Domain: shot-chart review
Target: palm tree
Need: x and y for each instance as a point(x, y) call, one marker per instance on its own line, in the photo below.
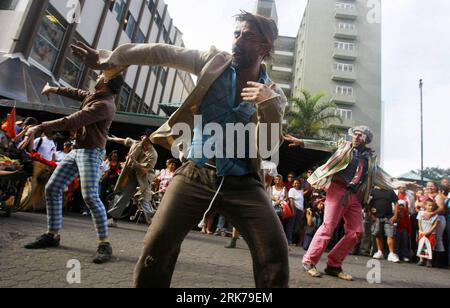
point(309, 118)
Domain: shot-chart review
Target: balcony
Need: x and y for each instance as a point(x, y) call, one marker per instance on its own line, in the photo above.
point(346, 13)
point(344, 76)
point(350, 34)
point(342, 99)
point(345, 54)
point(345, 123)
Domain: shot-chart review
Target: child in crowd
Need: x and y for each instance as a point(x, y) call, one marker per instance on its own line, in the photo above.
point(428, 223)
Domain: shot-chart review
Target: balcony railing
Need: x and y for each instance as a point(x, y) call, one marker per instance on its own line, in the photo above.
point(346, 13)
point(346, 33)
point(343, 76)
point(345, 54)
point(342, 99)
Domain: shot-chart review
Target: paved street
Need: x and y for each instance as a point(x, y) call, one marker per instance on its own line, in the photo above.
point(203, 262)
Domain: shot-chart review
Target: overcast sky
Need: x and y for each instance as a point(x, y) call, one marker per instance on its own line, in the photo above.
point(415, 45)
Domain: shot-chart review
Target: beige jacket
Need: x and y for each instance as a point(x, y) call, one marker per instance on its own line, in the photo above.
point(146, 160)
point(208, 66)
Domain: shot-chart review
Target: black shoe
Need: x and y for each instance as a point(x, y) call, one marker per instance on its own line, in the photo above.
point(429, 264)
point(104, 253)
point(232, 243)
point(44, 241)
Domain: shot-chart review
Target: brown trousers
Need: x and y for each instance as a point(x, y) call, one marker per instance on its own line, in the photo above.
point(242, 200)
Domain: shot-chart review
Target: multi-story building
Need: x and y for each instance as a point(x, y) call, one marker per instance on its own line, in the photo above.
point(339, 54)
point(280, 68)
point(35, 49)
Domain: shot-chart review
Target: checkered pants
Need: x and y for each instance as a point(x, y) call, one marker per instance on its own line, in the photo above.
point(86, 164)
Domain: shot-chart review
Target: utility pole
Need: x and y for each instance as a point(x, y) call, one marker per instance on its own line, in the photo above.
point(421, 129)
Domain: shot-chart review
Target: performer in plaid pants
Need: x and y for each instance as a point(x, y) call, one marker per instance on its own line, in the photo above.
point(92, 123)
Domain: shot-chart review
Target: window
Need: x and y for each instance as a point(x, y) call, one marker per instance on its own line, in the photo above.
point(72, 67)
point(155, 70)
point(91, 80)
point(348, 26)
point(8, 5)
point(342, 5)
point(158, 20)
point(49, 40)
point(129, 25)
point(135, 103)
point(140, 37)
point(145, 109)
point(151, 5)
point(165, 34)
point(345, 114)
point(343, 67)
point(124, 97)
point(163, 76)
point(344, 90)
point(119, 8)
point(344, 45)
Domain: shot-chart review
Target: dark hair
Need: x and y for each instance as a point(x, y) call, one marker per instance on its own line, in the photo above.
point(148, 132)
point(171, 161)
point(112, 153)
point(445, 190)
point(267, 27)
point(30, 121)
point(115, 84)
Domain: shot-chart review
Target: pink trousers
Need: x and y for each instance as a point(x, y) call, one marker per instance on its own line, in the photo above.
point(335, 210)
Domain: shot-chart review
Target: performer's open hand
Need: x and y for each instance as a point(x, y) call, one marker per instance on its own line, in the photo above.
point(257, 92)
point(293, 142)
point(86, 54)
point(47, 90)
point(31, 133)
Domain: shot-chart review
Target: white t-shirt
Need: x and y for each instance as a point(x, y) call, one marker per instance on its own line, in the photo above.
point(60, 156)
point(47, 148)
point(279, 194)
point(297, 196)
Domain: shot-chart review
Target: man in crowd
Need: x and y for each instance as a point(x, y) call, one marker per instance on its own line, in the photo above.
point(384, 221)
point(138, 171)
point(92, 123)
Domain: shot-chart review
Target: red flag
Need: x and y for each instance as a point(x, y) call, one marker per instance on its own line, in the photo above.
point(9, 125)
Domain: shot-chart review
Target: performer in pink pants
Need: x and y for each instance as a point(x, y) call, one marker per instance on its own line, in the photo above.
point(348, 177)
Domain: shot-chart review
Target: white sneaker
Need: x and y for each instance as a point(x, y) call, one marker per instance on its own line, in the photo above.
point(378, 255)
point(393, 258)
point(407, 260)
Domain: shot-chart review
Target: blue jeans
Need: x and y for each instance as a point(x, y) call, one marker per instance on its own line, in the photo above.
point(402, 244)
point(292, 223)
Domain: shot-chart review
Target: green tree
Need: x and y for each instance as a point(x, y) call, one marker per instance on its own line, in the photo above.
point(309, 118)
point(435, 173)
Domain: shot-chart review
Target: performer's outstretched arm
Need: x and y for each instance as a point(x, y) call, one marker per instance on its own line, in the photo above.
point(76, 94)
point(319, 145)
point(114, 62)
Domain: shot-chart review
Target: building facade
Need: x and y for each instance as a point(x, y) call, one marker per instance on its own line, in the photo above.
point(38, 35)
point(339, 53)
point(281, 67)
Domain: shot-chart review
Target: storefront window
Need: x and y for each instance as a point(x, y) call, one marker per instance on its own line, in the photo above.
point(123, 98)
point(72, 67)
point(8, 4)
point(48, 41)
point(91, 81)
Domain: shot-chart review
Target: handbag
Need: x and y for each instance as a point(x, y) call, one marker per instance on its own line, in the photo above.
point(287, 210)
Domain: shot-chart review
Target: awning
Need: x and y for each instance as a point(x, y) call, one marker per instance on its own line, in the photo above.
point(23, 83)
point(170, 108)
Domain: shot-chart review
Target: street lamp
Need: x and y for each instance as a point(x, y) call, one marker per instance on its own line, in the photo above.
point(421, 129)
